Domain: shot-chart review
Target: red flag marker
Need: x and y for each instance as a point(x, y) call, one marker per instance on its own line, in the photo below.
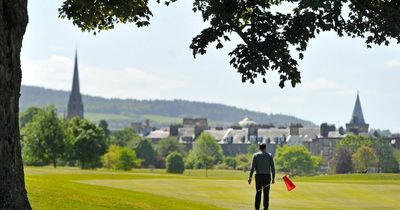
point(289, 184)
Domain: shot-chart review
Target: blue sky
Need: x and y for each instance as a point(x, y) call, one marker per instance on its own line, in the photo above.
point(156, 63)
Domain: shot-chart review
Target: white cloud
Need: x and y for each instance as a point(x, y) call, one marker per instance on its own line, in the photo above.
point(47, 72)
point(323, 84)
point(60, 59)
point(393, 64)
point(127, 83)
point(56, 72)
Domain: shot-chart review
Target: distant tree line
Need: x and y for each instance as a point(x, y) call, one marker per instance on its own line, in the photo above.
point(35, 96)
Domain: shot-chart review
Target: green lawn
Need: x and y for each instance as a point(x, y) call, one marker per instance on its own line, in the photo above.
point(71, 188)
point(96, 117)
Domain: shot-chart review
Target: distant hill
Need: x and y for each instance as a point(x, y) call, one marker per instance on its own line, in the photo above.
point(120, 113)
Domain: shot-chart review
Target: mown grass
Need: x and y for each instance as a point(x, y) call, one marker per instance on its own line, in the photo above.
point(71, 188)
point(96, 117)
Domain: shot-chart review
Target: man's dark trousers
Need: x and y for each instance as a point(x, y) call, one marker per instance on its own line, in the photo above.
point(262, 180)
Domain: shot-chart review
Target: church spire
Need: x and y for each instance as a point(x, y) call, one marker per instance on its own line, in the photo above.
point(357, 117)
point(357, 123)
point(75, 105)
point(75, 80)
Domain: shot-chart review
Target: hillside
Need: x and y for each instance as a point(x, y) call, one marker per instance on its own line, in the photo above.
point(121, 112)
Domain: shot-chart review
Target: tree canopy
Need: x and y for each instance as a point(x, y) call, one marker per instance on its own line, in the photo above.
point(364, 158)
point(125, 137)
point(104, 125)
point(270, 37)
point(386, 155)
point(43, 137)
point(206, 152)
point(296, 160)
point(88, 142)
point(120, 158)
point(387, 162)
point(169, 145)
point(145, 151)
point(353, 142)
point(26, 116)
point(342, 161)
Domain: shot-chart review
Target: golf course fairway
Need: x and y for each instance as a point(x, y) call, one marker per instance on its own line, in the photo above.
point(73, 188)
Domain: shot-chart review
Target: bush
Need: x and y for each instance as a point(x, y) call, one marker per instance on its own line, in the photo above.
point(230, 162)
point(243, 161)
point(175, 163)
point(120, 158)
point(126, 159)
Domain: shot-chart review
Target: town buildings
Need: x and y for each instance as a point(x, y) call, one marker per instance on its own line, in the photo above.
point(237, 138)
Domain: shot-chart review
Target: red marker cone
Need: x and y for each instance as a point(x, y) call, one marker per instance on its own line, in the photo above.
point(289, 184)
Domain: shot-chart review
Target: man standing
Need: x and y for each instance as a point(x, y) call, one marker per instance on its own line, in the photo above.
point(263, 164)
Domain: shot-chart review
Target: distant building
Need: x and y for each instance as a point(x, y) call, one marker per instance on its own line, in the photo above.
point(157, 135)
point(174, 129)
point(193, 122)
point(75, 105)
point(324, 146)
point(247, 122)
point(142, 128)
point(357, 123)
point(395, 141)
point(294, 137)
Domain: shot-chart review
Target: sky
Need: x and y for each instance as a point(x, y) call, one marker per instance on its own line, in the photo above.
point(155, 62)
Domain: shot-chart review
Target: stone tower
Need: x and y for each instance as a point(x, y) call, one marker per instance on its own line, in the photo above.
point(357, 123)
point(75, 105)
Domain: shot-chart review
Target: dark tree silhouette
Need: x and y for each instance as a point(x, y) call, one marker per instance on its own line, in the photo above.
point(13, 21)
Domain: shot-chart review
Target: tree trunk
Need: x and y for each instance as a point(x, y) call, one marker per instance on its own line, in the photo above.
point(13, 21)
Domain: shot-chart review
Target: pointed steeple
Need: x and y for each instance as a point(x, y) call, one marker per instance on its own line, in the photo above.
point(75, 105)
point(357, 123)
point(75, 80)
point(357, 117)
